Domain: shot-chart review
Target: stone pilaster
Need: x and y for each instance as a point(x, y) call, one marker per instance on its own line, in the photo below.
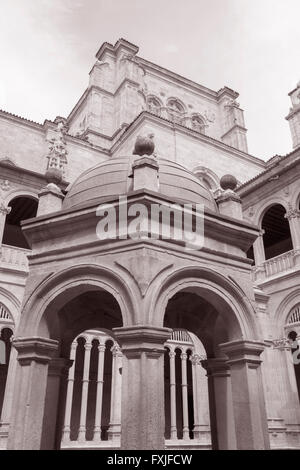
point(143, 413)
point(222, 415)
point(58, 367)
point(247, 394)
point(29, 399)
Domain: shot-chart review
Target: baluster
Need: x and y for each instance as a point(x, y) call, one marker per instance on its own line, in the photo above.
point(85, 386)
point(99, 393)
point(172, 355)
point(69, 399)
point(184, 396)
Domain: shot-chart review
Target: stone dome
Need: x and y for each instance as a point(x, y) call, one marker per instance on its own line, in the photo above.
point(113, 178)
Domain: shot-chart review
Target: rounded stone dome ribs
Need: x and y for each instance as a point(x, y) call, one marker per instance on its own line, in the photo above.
point(113, 178)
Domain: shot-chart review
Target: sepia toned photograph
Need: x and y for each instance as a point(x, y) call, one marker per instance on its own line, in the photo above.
point(149, 228)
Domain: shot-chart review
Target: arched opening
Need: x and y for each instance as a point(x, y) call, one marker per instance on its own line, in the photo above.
point(207, 177)
point(154, 105)
point(215, 314)
point(188, 311)
point(277, 236)
point(183, 375)
point(92, 409)
point(175, 111)
point(83, 326)
point(22, 208)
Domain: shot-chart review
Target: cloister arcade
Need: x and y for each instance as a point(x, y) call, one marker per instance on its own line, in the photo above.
point(77, 403)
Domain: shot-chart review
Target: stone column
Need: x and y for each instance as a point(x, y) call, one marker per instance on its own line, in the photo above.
point(259, 255)
point(4, 211)
point(58, 366)
point(143, 411)
point(184, 386)
point(99, 393)
point(247, 393)
point(85, 389)
point(218, 374)
point(28, 405)
point(172, 355)
point(114, 431)
point(293, 216)
point(69, 397)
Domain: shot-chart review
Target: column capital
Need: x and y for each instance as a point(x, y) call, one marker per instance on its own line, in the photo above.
point(4, 209)
point(143, 338)
point(292, 213)
point(88, 345)
point(216, 367)
point(101, 347)
point(245, 351)
point(197, 359)
point(35, 349)
point(59, 366)
point(183, 356)
point(116, 350)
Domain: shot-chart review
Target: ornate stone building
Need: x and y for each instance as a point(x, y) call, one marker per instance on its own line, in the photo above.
point(132, 339)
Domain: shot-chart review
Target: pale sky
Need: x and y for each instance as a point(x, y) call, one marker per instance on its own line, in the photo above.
point(47, 48)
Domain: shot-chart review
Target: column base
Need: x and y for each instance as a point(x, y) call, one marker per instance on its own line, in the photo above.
point(277, 433)
point(114, 432)
point(4, 429)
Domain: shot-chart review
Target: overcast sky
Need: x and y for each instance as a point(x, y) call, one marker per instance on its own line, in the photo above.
point(47, 48)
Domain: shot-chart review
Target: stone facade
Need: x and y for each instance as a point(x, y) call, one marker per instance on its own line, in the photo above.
point(140, 341)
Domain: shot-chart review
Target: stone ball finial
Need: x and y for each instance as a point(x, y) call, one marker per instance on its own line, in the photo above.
point(228, 182)
point(54, 175)
point(144, 145)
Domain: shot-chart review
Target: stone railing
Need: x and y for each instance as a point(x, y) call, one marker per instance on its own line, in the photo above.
point(273, 266)
point(14, 258)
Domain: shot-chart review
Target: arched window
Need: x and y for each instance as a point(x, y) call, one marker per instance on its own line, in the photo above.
point(198, 124)
point(277, 236)
point(175, 111)
point(22, 208)
point(207, 177)
point(154, 105)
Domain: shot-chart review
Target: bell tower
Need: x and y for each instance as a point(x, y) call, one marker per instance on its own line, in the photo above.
point(294, 116)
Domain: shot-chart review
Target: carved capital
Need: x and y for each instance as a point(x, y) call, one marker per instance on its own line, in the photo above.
point(292, 213)
point(4, 209)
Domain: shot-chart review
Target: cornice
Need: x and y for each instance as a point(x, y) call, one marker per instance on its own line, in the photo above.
point(279, 167)
point(236, 126)
point(113, 49)
point(185, 130)
point(196, 87)
point(21, 175)
point(21, 120)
